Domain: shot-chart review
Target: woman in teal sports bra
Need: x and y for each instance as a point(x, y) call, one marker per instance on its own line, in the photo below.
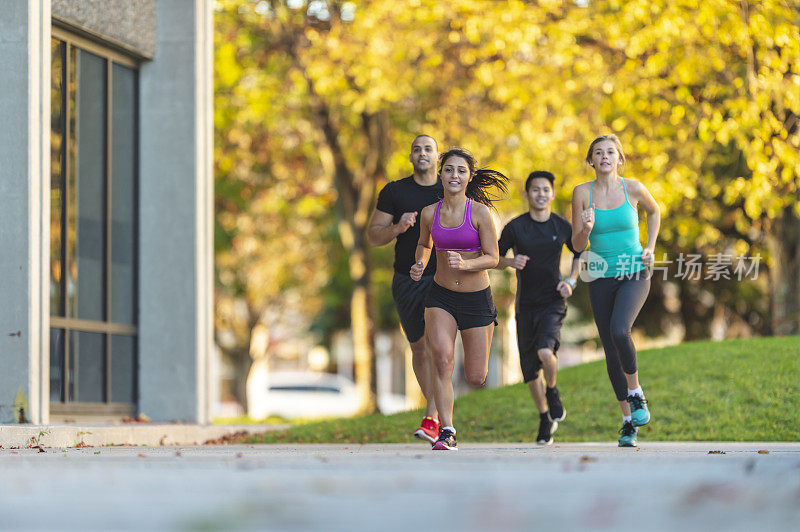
point(604, 215)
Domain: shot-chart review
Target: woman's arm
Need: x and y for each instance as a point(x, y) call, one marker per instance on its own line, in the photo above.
point(582, 218)
point(424, 245)
point(649, 204)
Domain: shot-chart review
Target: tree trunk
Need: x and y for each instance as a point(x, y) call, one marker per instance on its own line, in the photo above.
point(356, 190)
point(783, 242)
point(242, 363)
point(693, 313)
point(363, 328)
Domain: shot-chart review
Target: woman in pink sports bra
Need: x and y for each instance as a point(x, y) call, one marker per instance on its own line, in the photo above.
point(460, 226)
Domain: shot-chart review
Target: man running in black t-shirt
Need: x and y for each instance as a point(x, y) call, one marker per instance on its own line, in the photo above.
point(537, 238)
point(396, 218)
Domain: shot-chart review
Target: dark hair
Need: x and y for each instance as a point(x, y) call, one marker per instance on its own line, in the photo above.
point(483, 179)
point(539, 174)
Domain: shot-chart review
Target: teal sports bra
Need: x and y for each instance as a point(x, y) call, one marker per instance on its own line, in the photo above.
point(615, 237)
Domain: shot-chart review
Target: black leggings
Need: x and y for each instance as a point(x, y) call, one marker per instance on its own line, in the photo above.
point(615, 304)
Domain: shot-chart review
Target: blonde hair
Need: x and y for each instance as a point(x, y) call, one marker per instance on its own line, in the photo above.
point(613, 138)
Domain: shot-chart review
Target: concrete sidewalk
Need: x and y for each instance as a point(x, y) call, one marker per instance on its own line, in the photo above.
point(511, 486)
point(104, 434)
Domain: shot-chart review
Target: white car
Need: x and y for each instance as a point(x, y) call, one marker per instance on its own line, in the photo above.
point(300, 394)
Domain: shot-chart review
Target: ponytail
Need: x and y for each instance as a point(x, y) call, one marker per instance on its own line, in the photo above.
point(483, 179)
point(479, 189)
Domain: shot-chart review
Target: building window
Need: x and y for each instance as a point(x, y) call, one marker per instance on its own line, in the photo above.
point(93, 220)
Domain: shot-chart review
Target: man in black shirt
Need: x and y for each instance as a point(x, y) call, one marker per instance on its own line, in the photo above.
point(396, 218)
point(537, 238)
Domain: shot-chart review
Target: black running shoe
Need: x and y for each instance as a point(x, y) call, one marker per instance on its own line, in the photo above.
point(555, 410)
point(446, 441)
point(546, 430)
point(628, 435)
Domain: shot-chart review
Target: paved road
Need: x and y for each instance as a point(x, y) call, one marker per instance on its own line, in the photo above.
point(661, 486)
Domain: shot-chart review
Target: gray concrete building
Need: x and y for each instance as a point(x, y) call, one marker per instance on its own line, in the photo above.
point(106, 209)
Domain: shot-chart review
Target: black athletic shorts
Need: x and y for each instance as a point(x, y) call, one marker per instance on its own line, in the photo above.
point(409, 298)
point(538, 328)
point(470, 309)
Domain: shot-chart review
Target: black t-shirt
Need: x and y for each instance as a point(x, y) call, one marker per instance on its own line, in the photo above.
point(399, 197)
point(542, 242)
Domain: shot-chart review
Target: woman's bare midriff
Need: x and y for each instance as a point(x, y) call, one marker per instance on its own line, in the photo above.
point(459, 280)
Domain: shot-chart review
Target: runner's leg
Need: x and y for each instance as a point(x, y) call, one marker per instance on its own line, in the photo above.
point(629, 300)
point(477, 342)
point(601, 296)
point(441, 333)
point(549, 364)
point(421, 361)
point(536, 387)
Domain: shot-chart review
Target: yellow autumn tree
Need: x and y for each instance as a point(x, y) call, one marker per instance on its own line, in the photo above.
point(318, 100)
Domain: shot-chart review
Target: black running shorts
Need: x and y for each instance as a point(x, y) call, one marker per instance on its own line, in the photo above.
point(470, 309)
point(409, 298)
point(538, 328)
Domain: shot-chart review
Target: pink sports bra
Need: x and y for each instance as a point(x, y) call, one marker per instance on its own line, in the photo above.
point(462, 238)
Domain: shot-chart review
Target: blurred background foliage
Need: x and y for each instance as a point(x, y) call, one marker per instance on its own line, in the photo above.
point(316, 103)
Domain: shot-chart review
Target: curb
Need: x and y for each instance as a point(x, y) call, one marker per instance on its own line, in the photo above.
point(24, 436)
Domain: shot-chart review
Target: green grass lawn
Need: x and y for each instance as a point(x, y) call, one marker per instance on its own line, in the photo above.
point(736, 390)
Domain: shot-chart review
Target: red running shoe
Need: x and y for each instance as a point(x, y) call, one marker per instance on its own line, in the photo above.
point(428, 430)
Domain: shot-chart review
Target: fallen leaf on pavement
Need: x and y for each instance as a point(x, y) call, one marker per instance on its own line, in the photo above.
point(228, 438)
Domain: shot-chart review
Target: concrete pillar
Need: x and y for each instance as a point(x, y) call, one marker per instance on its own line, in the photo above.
point(24, 210)
point(176, 216)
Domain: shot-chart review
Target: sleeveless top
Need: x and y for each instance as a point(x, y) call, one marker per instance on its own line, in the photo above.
point(462, 238)
point(615, 237)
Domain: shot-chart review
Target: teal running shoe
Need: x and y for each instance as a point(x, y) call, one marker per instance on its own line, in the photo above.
point(629, 433)
point(640, 415)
